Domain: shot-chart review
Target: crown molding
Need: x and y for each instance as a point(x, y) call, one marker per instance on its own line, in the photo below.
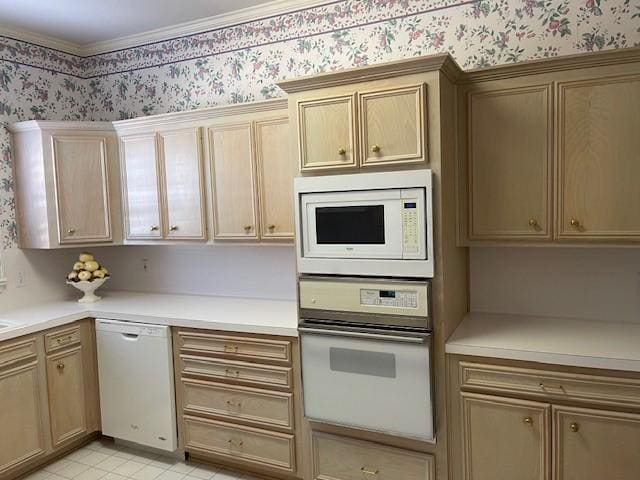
point(75, 125)
point(249, 14)
point(440, 62)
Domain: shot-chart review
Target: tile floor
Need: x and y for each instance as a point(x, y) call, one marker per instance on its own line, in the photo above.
point(105, 460)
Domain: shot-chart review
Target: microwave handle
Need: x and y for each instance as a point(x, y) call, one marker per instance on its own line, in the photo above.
point(365, 335)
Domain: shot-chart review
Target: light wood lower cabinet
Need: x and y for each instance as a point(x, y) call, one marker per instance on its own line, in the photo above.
point(505, 439)
point(48, 400)
point(340, 458)
point(596, 444)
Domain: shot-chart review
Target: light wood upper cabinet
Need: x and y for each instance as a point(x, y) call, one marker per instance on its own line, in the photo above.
point(327, 129)
point(82, 191)
point(141, 186)
point(235, 208)
point(392, 126)
point(23, 437)
point(275, 178)
point(596, 444)
point(67, 184)
point(505, 439)
point(510, 163)
point(67, 403)
point(184, 185)
point(599, 159)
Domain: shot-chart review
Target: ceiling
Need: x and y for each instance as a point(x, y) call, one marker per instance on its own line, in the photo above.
point(84, 22)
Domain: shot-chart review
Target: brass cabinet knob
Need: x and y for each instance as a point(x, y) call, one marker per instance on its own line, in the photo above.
point(341, 151)
point(575, 223)
point(271, 227)
point(173, 228)
point(533, 222)
point(574, 427)
point(528, 421)
point(154, 228)
point(247, 228)
point(60, 366)
point(369, 471)
point(71, 231)
point(375, 148)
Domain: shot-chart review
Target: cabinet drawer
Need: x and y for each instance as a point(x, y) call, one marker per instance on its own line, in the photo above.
point(548, 384)
point(240, 347)
point(339, 458)
point(270, 449)
point(237, 371)
point(271, 409)
point(62, 338)
point(15, 351)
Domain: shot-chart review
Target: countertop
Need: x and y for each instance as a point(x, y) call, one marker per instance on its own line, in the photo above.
point(245, 315)
point(560, 341)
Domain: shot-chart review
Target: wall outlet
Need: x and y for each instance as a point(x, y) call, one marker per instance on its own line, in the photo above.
point(145, 265)
point(20, 280)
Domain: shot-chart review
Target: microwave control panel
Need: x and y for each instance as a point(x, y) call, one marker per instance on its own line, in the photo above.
point(410, 229)
point(389, 298)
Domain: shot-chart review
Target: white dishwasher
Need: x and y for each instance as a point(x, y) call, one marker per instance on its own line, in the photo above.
point(137, 394)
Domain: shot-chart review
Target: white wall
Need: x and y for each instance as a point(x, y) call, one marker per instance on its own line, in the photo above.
point(242, 271)
point(592, 283)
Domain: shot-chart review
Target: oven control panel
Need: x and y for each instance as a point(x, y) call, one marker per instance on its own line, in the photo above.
point(389, 298)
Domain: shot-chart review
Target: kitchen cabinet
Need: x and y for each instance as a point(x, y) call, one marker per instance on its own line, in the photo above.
point(141, 186)
point(67, 184)
point(595, 444)
point(163, 185)
point(367, 128)
point(598, 159)
point(22, 404)
point(510, 163)
point(252, 179)
point(234, 181)
point(505, 438)
point(275, 172)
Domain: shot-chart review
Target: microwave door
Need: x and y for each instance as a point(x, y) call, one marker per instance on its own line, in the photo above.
point(352, 225)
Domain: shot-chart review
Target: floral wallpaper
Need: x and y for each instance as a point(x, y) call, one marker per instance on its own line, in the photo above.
point(243, 62)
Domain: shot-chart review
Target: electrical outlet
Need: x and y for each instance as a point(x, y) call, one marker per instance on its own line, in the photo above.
point(145, 265)
point(20, 280)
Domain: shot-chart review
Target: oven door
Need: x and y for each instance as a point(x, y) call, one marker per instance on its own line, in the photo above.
point(374, 382)
point(366, 224)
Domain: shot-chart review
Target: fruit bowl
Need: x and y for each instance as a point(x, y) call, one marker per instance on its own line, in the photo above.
point(89, 288)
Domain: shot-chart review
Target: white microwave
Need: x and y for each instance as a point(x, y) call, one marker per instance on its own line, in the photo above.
point(376, 224)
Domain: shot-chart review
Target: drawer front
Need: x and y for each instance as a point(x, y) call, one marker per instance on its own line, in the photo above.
point(339, 458)
point(62, 338)
point(269, 449)
point(271, 409)
point(16, 351)
point(240, 347)
point(219, 369)
point(543, 383)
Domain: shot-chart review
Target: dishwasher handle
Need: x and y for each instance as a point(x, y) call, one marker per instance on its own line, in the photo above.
point(130, 337)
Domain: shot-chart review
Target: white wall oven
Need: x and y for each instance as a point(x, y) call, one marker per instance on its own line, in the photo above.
point(375, 224)
point(366, 360)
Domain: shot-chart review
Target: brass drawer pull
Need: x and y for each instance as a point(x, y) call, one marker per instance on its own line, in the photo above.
point(60, 366)
point(232, 373)
point(551, 387)
point(233, 442)
point(366, 471)
point(574, 427)
point(231, 349)
point(63, 340)
point(528, 421)
point(232, 404)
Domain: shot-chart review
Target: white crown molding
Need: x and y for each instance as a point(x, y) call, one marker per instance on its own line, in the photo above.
point(30, 125)
point(249, 14)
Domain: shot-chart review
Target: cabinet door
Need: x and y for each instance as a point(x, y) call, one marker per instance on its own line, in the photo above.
point(505, 439)
point(596, 444)
point(599, 159)
point(67, 406)
point(510, 154)
point(392, 126)
point(82, 192)
point(183, 184)
point(234, 201)
point(141, 191)
point(276, 170)
point(326, 130)
point(22, 429)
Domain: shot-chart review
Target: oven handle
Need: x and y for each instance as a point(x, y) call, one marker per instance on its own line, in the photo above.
point(366, 335)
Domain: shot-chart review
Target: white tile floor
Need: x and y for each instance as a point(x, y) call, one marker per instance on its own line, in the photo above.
point(105, 460)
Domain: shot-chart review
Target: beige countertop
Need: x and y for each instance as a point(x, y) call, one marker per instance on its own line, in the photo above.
point(561, 341)
point(245, 315)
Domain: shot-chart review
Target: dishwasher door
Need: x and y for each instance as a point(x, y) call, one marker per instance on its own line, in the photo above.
point(137, 394)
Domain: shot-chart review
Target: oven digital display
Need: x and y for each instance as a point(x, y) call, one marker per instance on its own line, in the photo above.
point(389, 298)
point(387, 294)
